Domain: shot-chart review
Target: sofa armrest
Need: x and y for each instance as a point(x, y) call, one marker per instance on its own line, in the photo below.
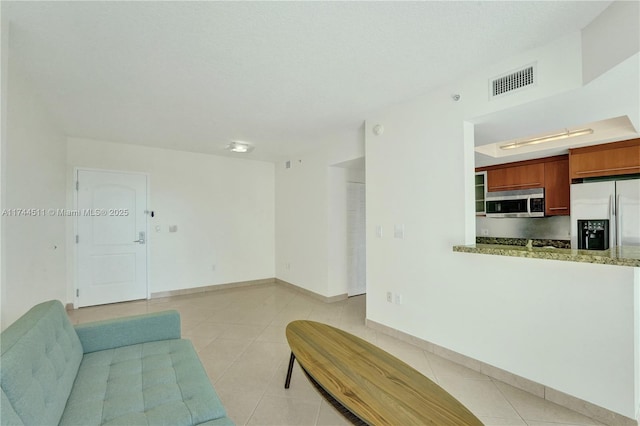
point(109, 334)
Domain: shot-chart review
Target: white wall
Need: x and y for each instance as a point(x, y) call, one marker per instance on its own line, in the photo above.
point(559, 66)
point(611, 38)
point(567, 325)
point(33, 178)
point(302, 223)
point(223, 208)
point(4, 78)
point(636, 356)
point(543, 320)
point(305, 195)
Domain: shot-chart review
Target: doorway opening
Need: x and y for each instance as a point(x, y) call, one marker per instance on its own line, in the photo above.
point(347, 228)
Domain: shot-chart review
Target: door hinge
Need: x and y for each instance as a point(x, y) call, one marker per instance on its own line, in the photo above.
point(77, 239)
point(77, 292)
point(77, 185)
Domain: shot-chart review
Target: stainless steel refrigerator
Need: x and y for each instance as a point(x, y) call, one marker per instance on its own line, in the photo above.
point(617, 201)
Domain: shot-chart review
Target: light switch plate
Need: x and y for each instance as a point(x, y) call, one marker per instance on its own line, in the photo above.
point(398, 231)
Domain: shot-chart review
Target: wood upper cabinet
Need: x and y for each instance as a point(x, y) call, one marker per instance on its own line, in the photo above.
point(515, 177)
point(611, 159)
point(557, 199)
point(550, 173)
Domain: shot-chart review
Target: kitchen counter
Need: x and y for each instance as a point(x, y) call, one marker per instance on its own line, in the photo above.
point(622, 256)
point(565, 244)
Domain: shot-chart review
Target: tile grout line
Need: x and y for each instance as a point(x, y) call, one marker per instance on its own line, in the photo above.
point(508, 400)
point(264, 393)
point(318, 414)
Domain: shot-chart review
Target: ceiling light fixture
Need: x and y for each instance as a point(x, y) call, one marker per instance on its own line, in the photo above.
point(533, 141)
point(239, 147)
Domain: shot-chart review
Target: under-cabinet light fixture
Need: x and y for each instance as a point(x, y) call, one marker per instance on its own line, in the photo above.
point(239, 147)
point(533, 141)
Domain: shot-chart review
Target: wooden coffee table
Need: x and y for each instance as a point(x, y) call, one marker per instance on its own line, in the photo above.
point(372, 384)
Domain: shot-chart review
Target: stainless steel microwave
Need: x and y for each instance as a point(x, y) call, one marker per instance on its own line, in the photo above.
point(520, 203)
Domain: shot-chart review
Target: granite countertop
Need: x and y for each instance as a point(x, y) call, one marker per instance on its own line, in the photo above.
point(621, 256)
point(565, 244)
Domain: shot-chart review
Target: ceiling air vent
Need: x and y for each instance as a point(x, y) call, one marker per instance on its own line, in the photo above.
point(513, 81)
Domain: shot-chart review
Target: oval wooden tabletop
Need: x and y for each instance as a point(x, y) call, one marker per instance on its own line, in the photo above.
point(374, 385)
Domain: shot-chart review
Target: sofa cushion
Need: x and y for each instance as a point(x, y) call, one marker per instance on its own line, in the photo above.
point(150, 383)
point(41, 354)
point(132, 330)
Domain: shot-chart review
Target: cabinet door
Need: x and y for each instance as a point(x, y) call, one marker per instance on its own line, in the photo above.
point(481, 192)
point(605, 162)
point(557, 188)
point(517, 177)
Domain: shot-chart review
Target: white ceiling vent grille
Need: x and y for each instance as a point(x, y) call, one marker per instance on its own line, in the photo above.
point(508, 83)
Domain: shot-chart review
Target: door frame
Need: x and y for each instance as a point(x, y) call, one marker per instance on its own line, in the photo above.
point(76, 263)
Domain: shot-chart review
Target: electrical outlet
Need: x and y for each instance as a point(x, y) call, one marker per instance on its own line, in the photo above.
point(389, 297)
point(213, 267)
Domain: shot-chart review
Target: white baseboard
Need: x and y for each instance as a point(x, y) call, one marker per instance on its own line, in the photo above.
point(209, 288)
point(239, 284)
point(252, 283)
point(326, 299)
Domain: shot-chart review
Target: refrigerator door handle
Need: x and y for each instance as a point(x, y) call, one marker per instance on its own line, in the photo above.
point(612, 208)
point(612, 221)
point(618, 221)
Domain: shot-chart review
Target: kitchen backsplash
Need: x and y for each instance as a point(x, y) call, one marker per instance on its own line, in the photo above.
point(554, 228)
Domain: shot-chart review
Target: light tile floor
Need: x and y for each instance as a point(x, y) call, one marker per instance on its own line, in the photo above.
point(240, 337)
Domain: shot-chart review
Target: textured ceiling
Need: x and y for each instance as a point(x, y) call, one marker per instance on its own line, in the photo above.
point(280, 75)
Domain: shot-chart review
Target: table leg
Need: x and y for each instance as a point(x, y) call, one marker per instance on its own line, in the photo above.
point(289, 371)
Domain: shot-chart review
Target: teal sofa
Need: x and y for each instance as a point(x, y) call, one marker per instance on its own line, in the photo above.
point(129, 371)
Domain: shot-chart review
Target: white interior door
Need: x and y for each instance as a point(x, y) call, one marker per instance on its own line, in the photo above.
point(111, 237)
point(356, 236)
